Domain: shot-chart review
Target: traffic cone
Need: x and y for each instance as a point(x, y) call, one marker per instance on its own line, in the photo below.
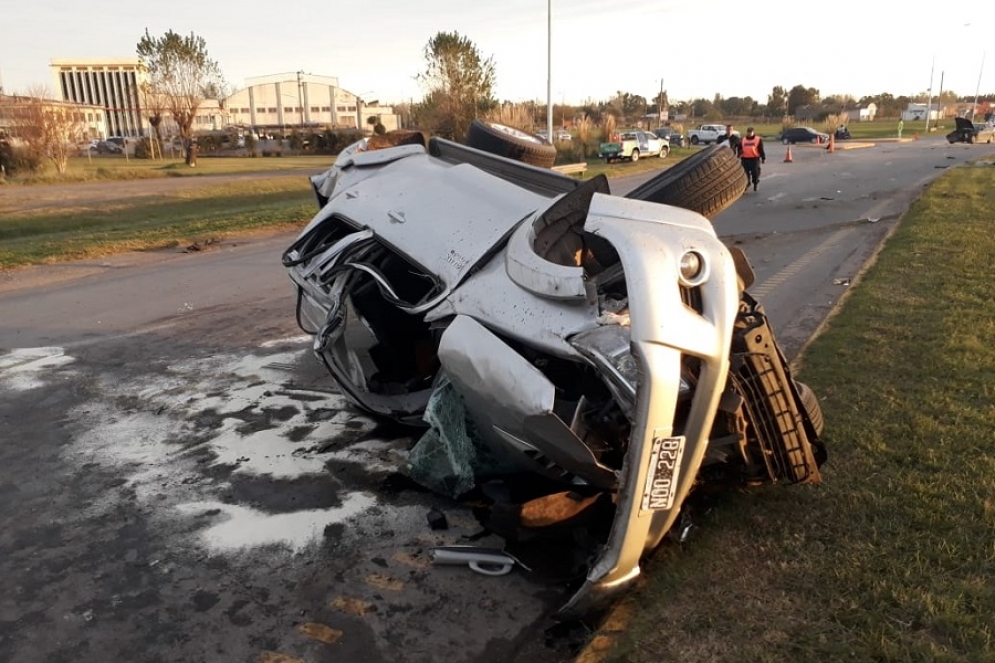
point(832, 143)
point(787, 155)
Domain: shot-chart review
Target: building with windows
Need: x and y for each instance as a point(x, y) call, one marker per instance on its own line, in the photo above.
point(275, 102)
point(83, 122)
point(113, 84)
point(294, 101)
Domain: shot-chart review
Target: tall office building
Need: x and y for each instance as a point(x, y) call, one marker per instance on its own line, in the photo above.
point(111, 83)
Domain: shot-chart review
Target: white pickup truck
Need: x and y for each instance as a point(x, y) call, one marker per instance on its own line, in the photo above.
point(708, 133)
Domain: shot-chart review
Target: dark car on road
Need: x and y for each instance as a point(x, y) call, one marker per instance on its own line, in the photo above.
point(108, 147)
point(675, 138)
point(803, 135)
point(971, 132)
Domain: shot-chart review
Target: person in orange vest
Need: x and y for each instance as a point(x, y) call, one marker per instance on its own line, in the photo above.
point(751, 153)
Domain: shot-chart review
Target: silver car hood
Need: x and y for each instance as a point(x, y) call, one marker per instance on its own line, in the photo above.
point(475, 212)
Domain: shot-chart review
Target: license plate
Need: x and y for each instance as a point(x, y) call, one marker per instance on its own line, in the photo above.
point(664, 470)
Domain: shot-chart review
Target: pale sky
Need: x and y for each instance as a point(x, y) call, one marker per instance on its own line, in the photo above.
point(598, 47)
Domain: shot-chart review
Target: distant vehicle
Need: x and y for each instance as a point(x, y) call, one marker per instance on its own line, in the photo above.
point(708, 133)
point(841, 133)
point(109, 147)
point(632, 145)
point(803, 135)
point(971, 132)
point(675, 138)
point(560, 134)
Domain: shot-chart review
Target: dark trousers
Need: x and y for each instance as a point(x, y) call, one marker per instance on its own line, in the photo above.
point(752, 168)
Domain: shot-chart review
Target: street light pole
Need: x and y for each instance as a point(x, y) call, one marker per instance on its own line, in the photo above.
point(974, 110)
point(929, 98)
point(300, 95)
point(549, 69)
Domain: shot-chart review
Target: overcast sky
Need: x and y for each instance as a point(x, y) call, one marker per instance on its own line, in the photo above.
point(598, 46)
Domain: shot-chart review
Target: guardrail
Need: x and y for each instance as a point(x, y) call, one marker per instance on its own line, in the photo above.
point(572, 168)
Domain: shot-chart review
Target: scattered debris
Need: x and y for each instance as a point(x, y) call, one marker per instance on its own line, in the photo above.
point(385, 582)
point(437, 519)
point(844, 281)
point(486, 561)
point(277, 657)
point(320, 632)
point(353, 606)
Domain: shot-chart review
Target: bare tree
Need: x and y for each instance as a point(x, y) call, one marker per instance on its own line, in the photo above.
point(52, 129)
point(181, 72)
point(154, 105)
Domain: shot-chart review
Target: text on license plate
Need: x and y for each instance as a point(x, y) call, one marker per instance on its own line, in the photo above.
point(662, 474)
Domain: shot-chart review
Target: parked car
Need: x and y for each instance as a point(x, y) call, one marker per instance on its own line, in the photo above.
point(803, 135)
point(674, 138)
point(633, 145)
point(535, 328)
point(109, 147)
point(971, 132)
point(561, 135)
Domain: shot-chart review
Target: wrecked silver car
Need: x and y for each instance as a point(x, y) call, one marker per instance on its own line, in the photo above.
point(535, 323)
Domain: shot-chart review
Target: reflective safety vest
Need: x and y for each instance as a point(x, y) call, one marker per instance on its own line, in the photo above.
point(749, 147)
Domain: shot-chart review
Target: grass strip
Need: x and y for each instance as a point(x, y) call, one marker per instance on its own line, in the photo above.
point(893, 557)
point(88, 232)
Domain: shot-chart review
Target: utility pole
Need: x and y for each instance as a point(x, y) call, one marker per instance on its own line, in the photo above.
point(659, 107)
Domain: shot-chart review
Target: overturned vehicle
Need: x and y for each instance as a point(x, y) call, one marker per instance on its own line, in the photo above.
point(535, 323)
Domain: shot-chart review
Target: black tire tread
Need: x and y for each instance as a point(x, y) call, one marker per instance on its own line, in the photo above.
point(707, 182)
point(812, 407)
point(483, 137)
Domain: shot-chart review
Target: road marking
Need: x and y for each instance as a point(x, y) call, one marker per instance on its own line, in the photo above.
point(791, 270)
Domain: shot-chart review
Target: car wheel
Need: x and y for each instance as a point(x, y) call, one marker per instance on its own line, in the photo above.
point(665, 150)
point(635, 155)
point(785, 141)
point(812, 407)
point(972, 139)
point(707, 182)
point(510, 143)
point(694, 140)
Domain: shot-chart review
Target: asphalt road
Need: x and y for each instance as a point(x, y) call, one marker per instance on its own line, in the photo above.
point(182, 482)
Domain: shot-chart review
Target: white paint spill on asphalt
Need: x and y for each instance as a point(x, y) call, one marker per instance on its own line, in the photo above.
point(246, 527)
point(21, 369)
point(161, 430)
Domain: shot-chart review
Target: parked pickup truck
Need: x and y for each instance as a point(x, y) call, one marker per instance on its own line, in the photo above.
point(634, 144)
point(708, 133)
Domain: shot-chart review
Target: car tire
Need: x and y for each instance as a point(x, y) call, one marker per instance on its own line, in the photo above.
point(694, 140)
point(634, 156)
point(665, 151)
point(707, 182)
point(510, 143)
point(785, 141)
point(812, 407)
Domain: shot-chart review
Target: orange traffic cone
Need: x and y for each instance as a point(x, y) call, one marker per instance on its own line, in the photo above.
point(832, 143)
point(787, 155)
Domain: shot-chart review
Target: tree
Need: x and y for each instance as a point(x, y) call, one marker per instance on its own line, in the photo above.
point(777, 102)
point(181, 72)
point(801, 96)
point(459, 84)
point(51, 129)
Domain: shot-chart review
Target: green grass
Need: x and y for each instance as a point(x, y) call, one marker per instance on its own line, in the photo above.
point(116, 167)
point(892, 558)
point(121, 225)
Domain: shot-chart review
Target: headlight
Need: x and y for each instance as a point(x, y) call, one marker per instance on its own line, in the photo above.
point(693, 269)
